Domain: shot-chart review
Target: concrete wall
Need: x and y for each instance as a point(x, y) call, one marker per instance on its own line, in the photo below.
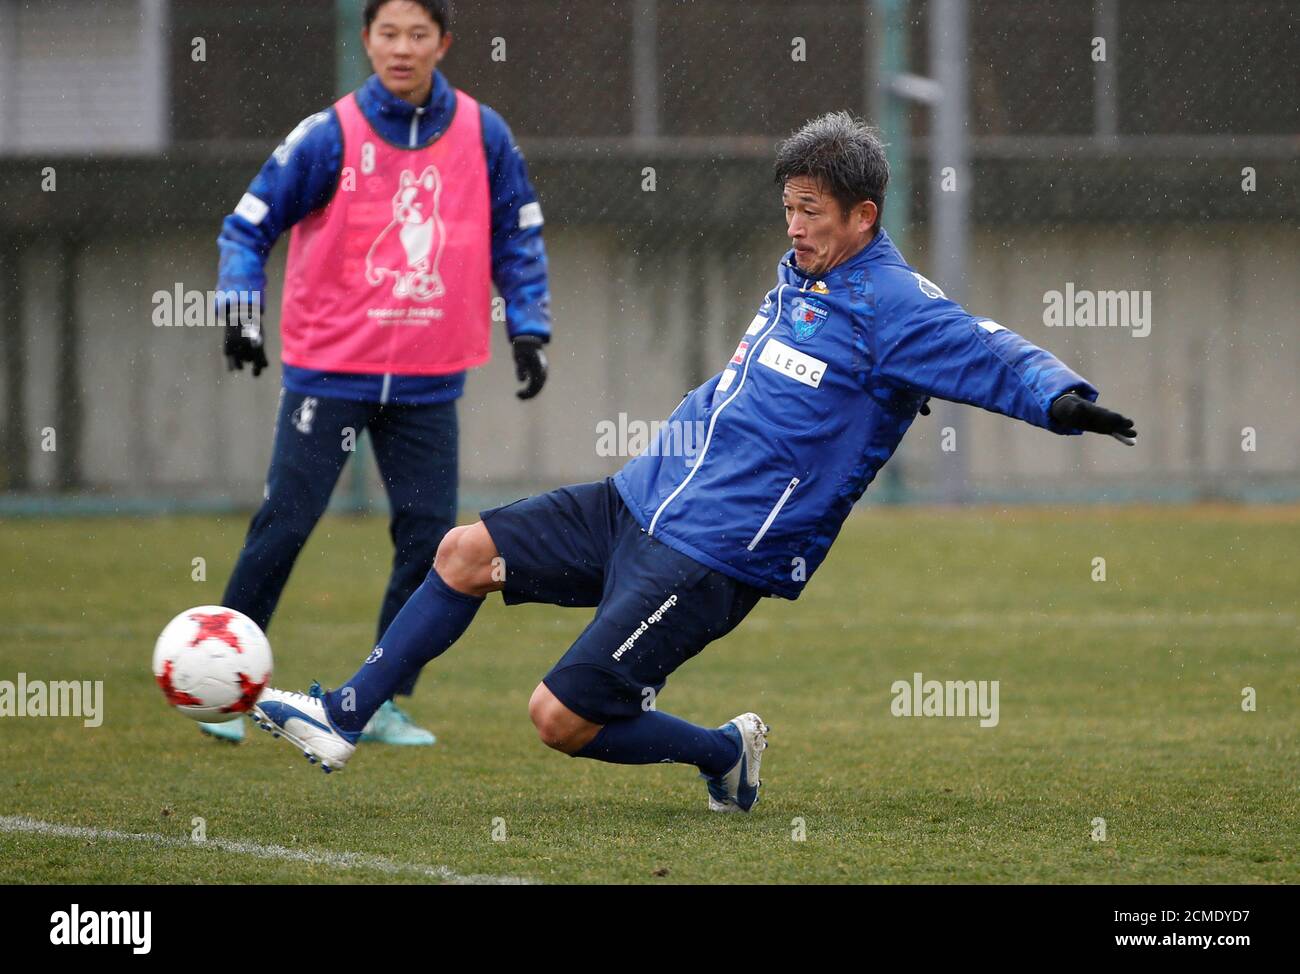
point(634, 331)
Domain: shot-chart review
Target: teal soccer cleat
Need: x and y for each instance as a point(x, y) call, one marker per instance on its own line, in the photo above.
point(392, 725)
point(225, 730)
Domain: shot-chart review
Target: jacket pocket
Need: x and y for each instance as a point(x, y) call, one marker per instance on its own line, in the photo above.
point(772, 514)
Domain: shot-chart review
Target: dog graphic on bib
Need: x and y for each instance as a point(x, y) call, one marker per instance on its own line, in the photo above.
point(410, 247)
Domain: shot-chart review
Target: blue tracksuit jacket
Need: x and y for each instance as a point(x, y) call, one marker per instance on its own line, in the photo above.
point(821, 390)
point(301, 176)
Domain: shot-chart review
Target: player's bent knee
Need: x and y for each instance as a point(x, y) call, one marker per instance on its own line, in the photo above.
point(558, 726)
point(542, 712)
point(465, 560)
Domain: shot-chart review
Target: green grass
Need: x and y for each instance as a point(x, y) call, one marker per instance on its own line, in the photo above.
point(1119, 699)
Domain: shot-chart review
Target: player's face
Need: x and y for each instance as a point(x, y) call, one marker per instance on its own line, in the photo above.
point(822, 234)
point(404, 45)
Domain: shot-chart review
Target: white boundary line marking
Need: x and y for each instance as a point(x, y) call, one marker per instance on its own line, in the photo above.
point(1099, 620)
point(323, 857)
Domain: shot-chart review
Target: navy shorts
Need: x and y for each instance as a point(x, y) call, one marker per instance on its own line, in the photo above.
point(655, 607)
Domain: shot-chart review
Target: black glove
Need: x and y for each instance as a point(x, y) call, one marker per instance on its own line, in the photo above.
point(243, 341)
point(1075, 412)
point(530, 365)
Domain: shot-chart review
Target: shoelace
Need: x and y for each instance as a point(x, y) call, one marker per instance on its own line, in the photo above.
point(314, 692)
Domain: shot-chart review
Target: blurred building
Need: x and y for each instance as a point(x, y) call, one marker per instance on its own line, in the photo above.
point(129, 128)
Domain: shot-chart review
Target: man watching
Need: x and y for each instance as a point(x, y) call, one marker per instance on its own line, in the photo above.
point(408, 200)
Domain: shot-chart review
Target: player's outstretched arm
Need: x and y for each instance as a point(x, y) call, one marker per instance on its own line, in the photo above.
point(934, 347)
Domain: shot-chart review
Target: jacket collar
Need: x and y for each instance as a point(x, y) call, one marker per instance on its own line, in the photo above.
point(383, 107)
point(881, 246)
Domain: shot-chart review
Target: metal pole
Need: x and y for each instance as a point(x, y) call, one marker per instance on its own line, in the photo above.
point(8, 77)
point(645, 69)
point(889, 112)
point(68, 407)
point(350, 65)
point(13, 346)
point(887, 25)
point(950, 216)
point(1105, 83)
point(155, 31)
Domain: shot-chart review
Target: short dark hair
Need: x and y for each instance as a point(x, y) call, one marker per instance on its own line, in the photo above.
point(843, 154)
point(439, 10)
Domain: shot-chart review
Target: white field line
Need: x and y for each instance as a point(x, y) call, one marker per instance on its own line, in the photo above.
point(1098, 620)
point(322, 857)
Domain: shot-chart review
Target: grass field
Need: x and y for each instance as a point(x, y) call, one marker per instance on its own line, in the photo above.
point(1119, 700)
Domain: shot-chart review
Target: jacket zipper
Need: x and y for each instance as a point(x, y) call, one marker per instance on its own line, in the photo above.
point(785, 495)
point(794, 482)
point(708, 436)
point(415, 126)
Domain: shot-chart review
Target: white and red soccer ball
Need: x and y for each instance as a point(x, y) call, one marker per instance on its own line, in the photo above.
point(212, 663)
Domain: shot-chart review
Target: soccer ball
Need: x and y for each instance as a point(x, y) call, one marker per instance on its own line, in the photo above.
point(212, 663)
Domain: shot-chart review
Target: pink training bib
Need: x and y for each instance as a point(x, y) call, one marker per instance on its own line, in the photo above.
point(394, 273)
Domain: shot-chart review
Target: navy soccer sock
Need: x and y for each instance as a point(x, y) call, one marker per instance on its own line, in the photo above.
point(433, 618)
point(652, 737)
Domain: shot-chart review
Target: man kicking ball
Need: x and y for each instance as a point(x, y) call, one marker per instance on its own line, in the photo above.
point(676, 549)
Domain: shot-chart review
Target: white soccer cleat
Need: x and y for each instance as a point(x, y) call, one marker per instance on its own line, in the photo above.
point(737, 789)
point(301, 719)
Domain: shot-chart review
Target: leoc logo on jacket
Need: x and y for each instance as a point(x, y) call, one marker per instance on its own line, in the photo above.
point(807, 315)
point(409, 248)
